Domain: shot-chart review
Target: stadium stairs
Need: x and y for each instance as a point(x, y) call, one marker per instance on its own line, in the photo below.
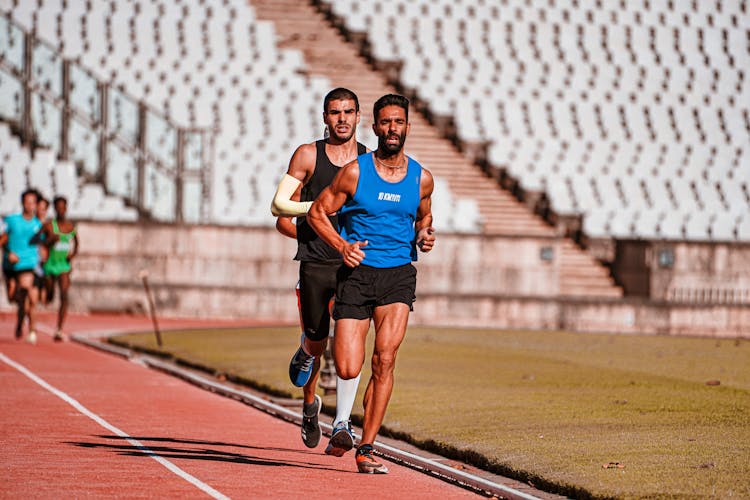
point(302, 26)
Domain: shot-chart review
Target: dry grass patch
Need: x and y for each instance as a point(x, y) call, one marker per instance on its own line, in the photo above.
point(553, 407)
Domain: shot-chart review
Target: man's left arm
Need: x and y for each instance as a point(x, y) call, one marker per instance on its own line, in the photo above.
point(75, 245)
point(423, 224)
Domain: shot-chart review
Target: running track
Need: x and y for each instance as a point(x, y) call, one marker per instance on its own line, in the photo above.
point(76, 422)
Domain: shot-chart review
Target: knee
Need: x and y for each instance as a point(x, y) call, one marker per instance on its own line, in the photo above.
point(384, 362)
point(348, 371)
point(314, 347)
point(314, 335)
point(347, 374)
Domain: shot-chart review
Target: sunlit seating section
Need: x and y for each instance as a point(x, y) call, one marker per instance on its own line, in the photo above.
point(205, 65)
point(632, 114)
point(19, 171)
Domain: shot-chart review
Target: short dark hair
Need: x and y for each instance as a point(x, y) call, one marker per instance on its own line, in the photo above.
point(59, 198)
point(28, 192)
point(390, 100)
point(40, 198)
point(340, 94)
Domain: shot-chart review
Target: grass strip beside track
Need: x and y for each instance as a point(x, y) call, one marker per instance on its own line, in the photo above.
point(548, 407)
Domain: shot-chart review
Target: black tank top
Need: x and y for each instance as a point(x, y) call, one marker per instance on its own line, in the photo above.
point(309, 245)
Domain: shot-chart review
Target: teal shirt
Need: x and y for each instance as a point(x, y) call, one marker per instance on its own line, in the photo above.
point(20, 231)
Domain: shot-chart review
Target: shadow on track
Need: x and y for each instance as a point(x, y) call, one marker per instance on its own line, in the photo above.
point(210, 454)
point(143, 439)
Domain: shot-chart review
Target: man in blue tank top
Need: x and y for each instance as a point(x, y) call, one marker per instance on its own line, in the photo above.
point(311, 169)
point(384, 205)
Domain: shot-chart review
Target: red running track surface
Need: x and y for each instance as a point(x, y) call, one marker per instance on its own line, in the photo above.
point(51, 449)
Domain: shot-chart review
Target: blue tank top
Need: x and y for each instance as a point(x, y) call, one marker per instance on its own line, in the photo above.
point(383, 213)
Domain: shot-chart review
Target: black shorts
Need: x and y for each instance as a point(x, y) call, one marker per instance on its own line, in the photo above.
point(317, 286)
point(15, 273)
point(363, 288)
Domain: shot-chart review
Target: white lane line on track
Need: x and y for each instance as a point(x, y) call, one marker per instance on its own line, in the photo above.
point(99, 420)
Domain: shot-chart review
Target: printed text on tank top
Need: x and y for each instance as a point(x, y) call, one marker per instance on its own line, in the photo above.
point(62, 244)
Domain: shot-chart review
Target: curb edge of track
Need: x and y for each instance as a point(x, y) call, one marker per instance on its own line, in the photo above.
point(411, 460)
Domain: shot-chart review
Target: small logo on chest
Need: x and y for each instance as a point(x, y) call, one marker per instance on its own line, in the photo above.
point(389, 197)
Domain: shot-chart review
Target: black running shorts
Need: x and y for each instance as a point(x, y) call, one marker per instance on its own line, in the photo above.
point(15, 273)
point(38, 281)
point(361, 289)
point(317, 286)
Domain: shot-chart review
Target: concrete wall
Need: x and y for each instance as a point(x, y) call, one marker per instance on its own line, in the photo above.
point(473, 264)
point(204, 271)
point(615, 316)
point(468, 280)
point(221, 271)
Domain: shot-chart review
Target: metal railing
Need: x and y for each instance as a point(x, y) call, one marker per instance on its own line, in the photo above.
point(709, 295)
point(132, 149)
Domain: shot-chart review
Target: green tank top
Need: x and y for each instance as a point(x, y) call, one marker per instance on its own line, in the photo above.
point(57, 262)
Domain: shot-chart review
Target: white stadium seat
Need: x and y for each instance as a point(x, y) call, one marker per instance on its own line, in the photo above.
point(654, 81)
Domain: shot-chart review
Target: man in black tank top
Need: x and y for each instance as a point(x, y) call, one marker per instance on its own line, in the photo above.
point(310, 248)
point(311, 169)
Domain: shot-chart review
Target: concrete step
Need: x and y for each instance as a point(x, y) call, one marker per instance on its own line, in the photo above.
point(608, 292)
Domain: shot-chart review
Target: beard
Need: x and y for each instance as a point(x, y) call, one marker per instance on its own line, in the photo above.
point(391, 149)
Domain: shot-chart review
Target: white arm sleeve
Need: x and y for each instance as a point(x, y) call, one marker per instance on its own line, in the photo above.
point(282, 204)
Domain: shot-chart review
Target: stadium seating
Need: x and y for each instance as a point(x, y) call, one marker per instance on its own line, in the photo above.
point(18, 171)
point(638, 109)
point(209, 65)
point(628, 108)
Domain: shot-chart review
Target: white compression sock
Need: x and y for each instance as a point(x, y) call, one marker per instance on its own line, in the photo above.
point(346, 393)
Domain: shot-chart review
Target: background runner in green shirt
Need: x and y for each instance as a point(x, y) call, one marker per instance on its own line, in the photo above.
point(61, 239)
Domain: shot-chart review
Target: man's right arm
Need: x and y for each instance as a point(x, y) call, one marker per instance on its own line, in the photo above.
point(3, 234)
point(12, 258)
point(287, 227)
point(331, 199)
point(301, 167)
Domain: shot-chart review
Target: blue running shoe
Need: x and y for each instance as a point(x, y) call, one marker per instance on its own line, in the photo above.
point(342, 439)
point(300, 368)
